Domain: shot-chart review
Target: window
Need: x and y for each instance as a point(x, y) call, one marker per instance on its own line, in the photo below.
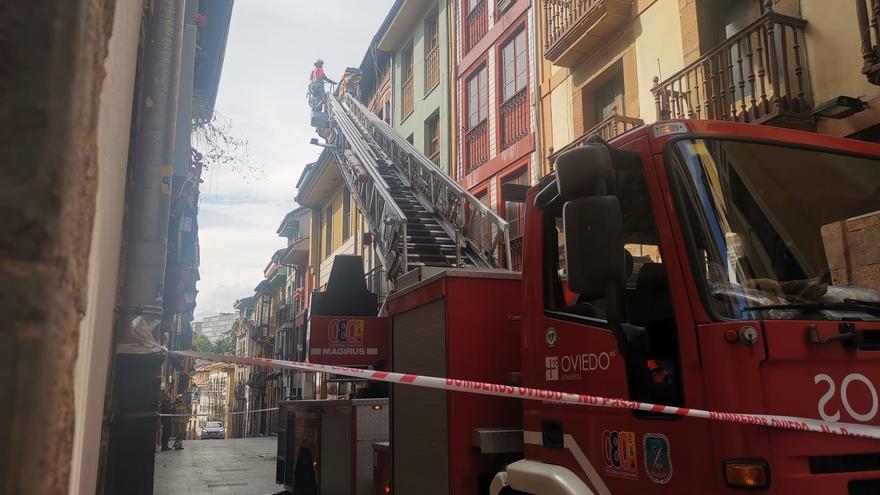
point(407, 87)
point(478, 98)
point(609, 98)
point(432, 52)
point(648, 299)
point(408, 61)
point(432, 31)
point(776, 225)
point(514, 63)
point(346, 214)
point(514, 212)
point(432, 138)
point(328, 230)
point(477, 108)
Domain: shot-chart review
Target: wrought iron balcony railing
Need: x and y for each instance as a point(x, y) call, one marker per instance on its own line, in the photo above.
point(476, 142)
point(514, 118)
point(476, 25)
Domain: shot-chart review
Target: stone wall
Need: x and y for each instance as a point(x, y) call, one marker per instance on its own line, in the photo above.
point(51, 80)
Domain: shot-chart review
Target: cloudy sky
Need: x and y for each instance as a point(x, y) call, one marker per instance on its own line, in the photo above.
point(272, 45)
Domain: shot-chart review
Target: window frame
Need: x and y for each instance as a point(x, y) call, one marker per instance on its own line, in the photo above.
point(432, 139)
point(328, 230)
point(481, 68)
point(346, 214)
point(554, 303)
point(431, 40)
point(521, 169)
point(674, 165)
point(510, 39)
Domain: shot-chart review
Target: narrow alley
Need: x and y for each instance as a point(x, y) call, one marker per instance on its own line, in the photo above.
point(240, 466)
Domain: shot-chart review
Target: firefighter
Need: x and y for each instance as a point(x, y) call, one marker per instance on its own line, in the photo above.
point(349, 81)
point(316, 86)
point(181, 415)
point(165, 408)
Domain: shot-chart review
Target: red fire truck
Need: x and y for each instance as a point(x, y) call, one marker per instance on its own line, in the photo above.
point(707, 265)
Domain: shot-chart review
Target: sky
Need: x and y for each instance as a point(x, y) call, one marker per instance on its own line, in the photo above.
point(269, 54)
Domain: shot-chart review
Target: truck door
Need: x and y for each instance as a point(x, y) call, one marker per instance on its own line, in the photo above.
point(572, 347)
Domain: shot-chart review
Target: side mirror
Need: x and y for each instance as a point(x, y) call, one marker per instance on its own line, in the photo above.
point(594, 252)
point(585, 171)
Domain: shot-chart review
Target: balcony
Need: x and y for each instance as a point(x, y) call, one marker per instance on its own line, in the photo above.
point(608, 129)
point(285, 316)
point(476, 24)
point(514, 119)
point(574, 28)
point(758, 76)
point(477, 146)
point(868, 12)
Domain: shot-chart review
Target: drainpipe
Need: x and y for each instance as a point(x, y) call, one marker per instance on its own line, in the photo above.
point(539, 125)
point(131, 439)
point(452, 9)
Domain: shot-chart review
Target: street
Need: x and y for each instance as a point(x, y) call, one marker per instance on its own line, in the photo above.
point(241, 466)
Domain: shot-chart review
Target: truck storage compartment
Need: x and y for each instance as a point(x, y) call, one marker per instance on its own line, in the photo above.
point(327, 445)
point(461, 324)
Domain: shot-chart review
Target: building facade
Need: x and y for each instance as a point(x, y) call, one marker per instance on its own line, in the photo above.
point(215, 327)
point(618, 64)
point(417, 39)
point(495, 101)
point(290, 342)
point(213, 398)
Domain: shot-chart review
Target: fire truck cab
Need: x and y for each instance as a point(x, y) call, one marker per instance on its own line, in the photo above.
point(719, 266)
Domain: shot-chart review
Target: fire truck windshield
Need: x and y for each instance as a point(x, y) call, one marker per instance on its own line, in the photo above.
point(779, 232)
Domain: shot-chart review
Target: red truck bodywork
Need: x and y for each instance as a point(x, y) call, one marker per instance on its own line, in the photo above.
point(782, 374)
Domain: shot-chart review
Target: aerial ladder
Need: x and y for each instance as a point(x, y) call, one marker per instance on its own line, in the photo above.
point(418, 214)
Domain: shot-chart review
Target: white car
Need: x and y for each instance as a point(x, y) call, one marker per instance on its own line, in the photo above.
point(213, 429)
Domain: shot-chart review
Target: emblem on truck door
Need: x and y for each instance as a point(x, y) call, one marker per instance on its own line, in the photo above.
point(620, 454)
point(658, 460)
point(551, 338)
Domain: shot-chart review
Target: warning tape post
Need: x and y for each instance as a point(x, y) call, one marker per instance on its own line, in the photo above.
point(766, 420)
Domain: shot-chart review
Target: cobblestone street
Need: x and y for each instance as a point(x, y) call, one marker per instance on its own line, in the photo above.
point(241, 466)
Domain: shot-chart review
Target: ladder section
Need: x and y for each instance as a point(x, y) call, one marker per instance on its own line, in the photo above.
point(408, 233)
point(479, 236)
point(428, 244)
point(357, 163)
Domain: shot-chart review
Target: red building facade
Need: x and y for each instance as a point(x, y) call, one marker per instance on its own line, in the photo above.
point(494, 101)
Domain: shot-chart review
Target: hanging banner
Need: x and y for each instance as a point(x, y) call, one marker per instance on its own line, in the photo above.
point(348, 340)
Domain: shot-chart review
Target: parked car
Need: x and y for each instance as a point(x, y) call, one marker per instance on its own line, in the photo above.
point(213, 429)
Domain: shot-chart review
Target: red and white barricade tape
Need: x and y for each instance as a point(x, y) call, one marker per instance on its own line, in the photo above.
point(482, 388)
point(163, 415)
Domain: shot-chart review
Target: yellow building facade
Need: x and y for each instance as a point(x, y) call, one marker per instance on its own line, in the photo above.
point(610, 65)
